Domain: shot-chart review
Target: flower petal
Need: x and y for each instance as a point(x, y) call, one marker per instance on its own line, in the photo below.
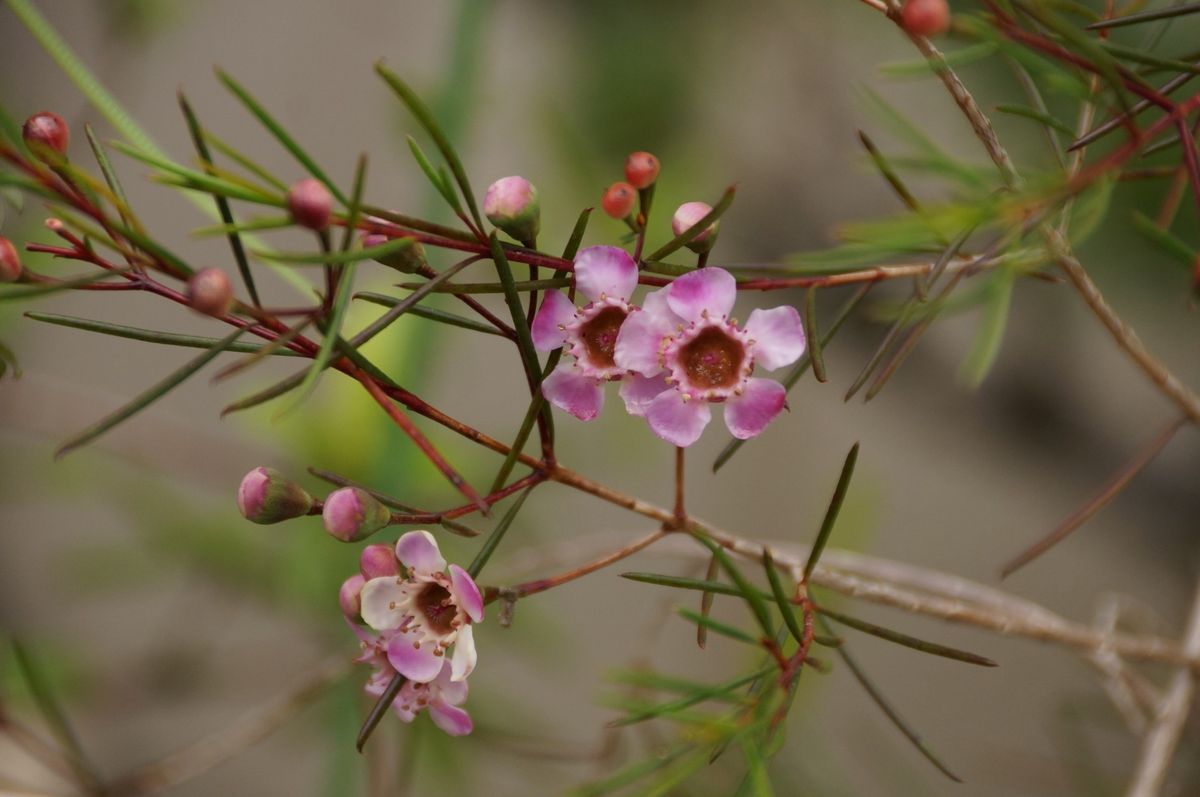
point(556, 312)
point(572, 392)
point(639, 341)
point(420, 665)
point(748, 414)
point(638, 391)
point(418, 551)
point(705, 289)
point(463, 662)
point(451, 719)
point(778, 336)
point(380, 602)
point(452, 692)
point(466, 593)
point(677, 421)
point(605, 271)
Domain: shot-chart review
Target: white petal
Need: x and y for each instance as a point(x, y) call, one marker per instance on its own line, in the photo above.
point(380, 602)
point(463, 662)
point(778, 336)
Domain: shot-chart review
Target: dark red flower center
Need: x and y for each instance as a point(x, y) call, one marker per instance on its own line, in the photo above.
point(712, 359)
point(599, 335)
point(435, 603)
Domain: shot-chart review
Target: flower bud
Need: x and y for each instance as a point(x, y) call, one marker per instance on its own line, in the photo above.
point(641, 170)
point(349, 595)
point(686, 217)
point(210, 292)
point(377, 561)
point(46, 132)
point(925, 17)
point(352, 514)
point(511, 203)
point(408, 260)
point(310, 204)
point(618, 200)
point(10, 261)
point(267, 496)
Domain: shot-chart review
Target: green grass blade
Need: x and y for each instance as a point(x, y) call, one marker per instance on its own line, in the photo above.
point(281, 135)
point(148, 397)
point(235, 240)
point(831, 514)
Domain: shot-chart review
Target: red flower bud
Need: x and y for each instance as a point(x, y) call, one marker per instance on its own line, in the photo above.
point(44, 132)
point(379, 560)
point(925, 17)
point(310, 204)
point(210, 292)
point(10, 261)
point(641, 169)
point(352, 514)
point(267, 496)
point(618, 200)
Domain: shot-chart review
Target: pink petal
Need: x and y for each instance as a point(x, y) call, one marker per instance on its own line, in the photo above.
point(416, 664)
point(556, 311)
point(778, 336)
point(466, 593)
point(463, 662)
point(638, 391)
point(452, 692)
point(605, 271)
point(418, 551)
point(572, 392)
point(638, 342)
point(677, 421)
point(748, 414)
point(380, 601)
point(451, 719)
point(712, 289)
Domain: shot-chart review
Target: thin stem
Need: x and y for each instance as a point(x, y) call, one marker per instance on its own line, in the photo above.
point(541, 585)
point(680, 509)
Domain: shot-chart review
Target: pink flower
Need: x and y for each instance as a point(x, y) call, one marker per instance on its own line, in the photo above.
point(442, 696)
point(419, 616)
point(686, 353)
point(606, 276)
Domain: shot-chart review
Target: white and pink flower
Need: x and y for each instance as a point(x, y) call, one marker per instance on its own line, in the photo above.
point(686, 353)
point(607, 277)
point(422, 613)
point(443, 696)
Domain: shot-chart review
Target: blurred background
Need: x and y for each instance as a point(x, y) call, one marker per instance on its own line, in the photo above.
point(160, 615)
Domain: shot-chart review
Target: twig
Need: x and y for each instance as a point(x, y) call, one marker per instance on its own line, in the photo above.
point(253, 726)
point(1158, 747)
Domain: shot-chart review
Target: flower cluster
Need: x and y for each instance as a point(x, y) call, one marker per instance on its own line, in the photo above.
point(674, 355)
point(414, 616)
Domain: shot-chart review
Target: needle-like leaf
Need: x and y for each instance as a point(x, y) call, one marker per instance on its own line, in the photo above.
point(831, 514)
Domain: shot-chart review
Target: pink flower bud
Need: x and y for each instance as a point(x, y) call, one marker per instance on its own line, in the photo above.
point(310, 204)
point(267, 496)
point(686, 217)
point(618, 200)
point(210, 292)
point(641, 170)
point(46, 132)
point(352, 514)
point(511, 203)
point(10, 261)
point(377, 561)
point(408, 260)
point(349, 594)
point(925, 17)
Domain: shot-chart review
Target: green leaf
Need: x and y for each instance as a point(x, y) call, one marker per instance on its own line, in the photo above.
point(700, 693)
point(572, 247)
point(682, 582)
point(906, 640)
point(1174, 10)
point(281, 135)
point(696, 229)
point(831, 514)
point(148, 335)
point(782, 600)
point(423, 115)
point(441, 316)
point(1038, 116)
point(183, 177)
point(148, 397)
point(409, 303)
point(337, 258)
point(749, 593)
point(324, 356)
point(235, 240)
point(493, 540)
point(438, 179)
point(110, 176)
point(529, 358)
point(1177, 248)
point(1090, 209)
point(991, 328)
point(814, 339)
point(714, 625)
point(245, 162)
point(8, 293)
point(955, 58)
point(255, 224)
point(630, 774)
point(474, 288)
